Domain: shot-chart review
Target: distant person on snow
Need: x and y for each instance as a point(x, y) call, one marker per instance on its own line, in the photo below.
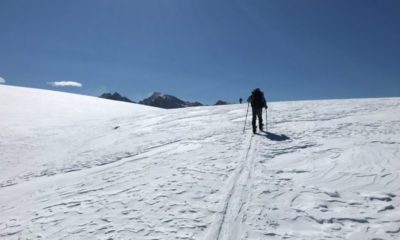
point(258, 102)
point(240, 100)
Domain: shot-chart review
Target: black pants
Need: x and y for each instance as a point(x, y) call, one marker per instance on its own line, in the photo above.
point(257, 112)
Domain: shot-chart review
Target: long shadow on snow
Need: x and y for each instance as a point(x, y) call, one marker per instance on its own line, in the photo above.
point(273, 136)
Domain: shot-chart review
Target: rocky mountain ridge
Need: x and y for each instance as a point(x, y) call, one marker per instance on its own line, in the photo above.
point(115, 96)
point(160, 100)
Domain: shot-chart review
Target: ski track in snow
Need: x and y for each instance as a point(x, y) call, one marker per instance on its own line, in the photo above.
point(324, 170)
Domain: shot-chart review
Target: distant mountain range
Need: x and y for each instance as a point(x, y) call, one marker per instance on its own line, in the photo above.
point(159, 100)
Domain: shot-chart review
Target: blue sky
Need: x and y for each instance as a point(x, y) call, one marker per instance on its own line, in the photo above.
point(204, 50)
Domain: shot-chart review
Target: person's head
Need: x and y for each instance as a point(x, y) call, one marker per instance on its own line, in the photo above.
point(256, 90)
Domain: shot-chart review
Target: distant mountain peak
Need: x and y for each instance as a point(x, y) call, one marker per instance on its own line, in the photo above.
point(115, 96)
point(157, 94)
point(220, 102)
point(161, 100)
point(160, 95)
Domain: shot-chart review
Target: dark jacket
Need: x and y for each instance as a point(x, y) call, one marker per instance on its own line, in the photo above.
point(257, 99)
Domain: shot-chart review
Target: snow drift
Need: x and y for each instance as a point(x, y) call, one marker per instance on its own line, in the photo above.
point(77, 167)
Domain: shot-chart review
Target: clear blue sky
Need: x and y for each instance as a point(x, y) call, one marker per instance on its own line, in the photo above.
point(204, 50)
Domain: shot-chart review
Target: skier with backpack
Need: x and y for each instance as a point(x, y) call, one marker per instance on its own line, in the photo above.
point(258, 102)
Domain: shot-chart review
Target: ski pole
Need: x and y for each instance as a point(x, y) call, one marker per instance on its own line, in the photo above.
point(245, 120)
point(266, 119)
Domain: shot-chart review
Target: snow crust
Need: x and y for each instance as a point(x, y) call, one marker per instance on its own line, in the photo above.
point(77, 167)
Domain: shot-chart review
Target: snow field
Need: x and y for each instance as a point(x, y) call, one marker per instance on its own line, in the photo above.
point(75, 167)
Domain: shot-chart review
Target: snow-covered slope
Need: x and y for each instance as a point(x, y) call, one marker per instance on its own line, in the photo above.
point(76, 167)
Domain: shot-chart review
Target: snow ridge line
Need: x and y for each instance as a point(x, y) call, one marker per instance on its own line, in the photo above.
point(234, 201)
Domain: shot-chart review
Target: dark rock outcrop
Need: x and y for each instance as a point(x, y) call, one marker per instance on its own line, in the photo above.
point(115, 96)
point(220, 102)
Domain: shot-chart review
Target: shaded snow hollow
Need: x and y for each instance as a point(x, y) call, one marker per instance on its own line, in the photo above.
point(77, 167)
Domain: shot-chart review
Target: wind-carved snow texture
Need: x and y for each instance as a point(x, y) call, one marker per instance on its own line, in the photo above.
point(75, 167)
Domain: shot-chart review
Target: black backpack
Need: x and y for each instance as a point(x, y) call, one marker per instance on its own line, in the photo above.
point(257, 99)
